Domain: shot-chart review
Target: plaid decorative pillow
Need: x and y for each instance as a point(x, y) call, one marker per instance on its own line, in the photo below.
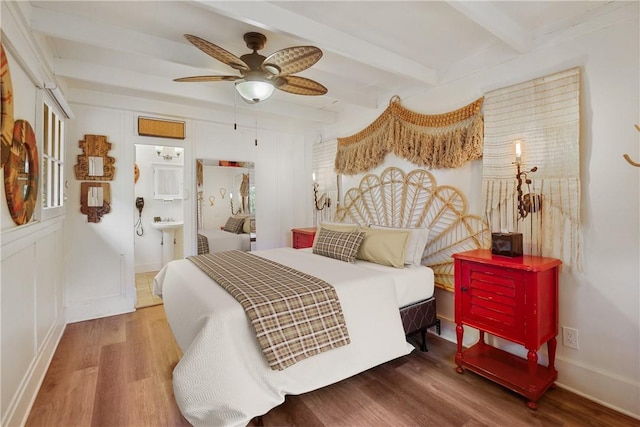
point(340, 245)
point(234, 225)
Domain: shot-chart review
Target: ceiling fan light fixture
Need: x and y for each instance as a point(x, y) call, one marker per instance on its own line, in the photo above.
point(254, 91)
point(260, 75)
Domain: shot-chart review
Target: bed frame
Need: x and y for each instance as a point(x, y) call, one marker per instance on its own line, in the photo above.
point(410, 200)
point(419, 317)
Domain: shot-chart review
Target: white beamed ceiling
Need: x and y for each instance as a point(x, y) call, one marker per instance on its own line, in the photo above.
point(372, 50)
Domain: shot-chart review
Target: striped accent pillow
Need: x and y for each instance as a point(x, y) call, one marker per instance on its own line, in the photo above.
point(234, 225)
point(339, 245)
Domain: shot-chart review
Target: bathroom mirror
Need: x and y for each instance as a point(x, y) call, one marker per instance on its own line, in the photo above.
point(167, 182)
point(225, 188)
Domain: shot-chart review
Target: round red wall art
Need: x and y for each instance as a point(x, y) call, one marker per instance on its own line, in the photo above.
point(21, 173)
point(6, 108)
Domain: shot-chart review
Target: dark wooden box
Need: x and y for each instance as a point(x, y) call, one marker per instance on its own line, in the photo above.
point(506, 244)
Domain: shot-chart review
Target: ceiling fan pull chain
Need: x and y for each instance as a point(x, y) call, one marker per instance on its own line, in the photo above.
point(235, 112)
point(256, 140)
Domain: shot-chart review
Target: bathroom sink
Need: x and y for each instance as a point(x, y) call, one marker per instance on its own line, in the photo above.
point(167, 225)
point(168, 229)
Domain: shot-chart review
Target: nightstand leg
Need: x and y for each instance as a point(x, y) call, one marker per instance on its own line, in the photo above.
point(532, 358)
point(459, 334)
point(551, 350)
point(481, 340)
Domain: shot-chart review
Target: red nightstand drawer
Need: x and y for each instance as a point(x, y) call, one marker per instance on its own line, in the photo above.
point(492, 300)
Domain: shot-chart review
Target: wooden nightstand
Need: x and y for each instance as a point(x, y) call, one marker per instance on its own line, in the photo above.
point(511, 298)
point(303, 237)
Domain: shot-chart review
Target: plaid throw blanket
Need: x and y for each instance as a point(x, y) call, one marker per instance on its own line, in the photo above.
point(203, 245)
point(295, 315)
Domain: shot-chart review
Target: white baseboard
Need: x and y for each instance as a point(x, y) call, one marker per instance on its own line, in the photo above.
point(95, 309)
point(611, 391)
point(145, 268)
point(19, 409)
point(608, 390)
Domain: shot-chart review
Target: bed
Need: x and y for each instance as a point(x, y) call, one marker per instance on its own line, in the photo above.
point(237, 234)
point(224, 379)
point(212, 241)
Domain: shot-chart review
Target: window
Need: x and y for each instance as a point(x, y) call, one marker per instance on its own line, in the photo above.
point(52, 159)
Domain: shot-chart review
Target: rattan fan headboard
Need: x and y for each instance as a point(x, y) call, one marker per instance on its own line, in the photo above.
point(414, 199)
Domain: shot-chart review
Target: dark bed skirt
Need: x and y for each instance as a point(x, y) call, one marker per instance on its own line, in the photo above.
point(418, 317)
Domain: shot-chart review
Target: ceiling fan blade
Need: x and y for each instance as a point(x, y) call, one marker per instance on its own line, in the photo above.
point(208, 79)
point(217, 52)
point(300, 86)
point(293, 59)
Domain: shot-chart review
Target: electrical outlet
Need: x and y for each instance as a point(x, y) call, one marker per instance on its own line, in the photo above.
point(570, 337)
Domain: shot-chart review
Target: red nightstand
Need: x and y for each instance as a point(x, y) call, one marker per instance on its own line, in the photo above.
point(303, 237)
point(511, 298)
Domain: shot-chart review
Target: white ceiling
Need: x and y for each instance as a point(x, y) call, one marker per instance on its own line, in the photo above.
point(372, 50)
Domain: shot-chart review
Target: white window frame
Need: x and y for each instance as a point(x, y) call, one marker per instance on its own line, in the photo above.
point(53, 184)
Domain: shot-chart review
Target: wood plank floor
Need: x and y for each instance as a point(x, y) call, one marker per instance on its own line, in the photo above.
point(116, 371)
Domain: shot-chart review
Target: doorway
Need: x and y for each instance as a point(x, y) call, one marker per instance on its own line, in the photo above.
point(158, 199)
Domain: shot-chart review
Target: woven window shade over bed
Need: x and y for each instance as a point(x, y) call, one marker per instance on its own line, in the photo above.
point(545, 114)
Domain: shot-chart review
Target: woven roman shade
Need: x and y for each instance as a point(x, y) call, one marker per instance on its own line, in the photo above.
point(545, 114)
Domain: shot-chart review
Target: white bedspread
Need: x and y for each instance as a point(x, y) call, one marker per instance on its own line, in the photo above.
point(220, 240)
point(223, 378)
point(412, 284)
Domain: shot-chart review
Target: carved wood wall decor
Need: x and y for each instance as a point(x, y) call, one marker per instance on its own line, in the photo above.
point(6, 114)
point(21, 173)
point(161, 128)
point(94, 164)
point(95, 200)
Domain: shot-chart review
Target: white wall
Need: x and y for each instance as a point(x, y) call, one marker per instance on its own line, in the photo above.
point(280, 169)
point(32, 315)
point(102, 255)
point(603, 301)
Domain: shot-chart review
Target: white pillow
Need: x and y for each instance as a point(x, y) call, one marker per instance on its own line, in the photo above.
point(416, 243)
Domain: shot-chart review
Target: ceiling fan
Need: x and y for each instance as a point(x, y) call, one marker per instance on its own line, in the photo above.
point(260, 75)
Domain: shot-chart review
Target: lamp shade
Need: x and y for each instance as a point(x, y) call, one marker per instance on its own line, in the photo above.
point(254, 91)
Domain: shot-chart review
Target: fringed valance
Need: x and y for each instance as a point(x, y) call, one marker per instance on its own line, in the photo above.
point(446, 140)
